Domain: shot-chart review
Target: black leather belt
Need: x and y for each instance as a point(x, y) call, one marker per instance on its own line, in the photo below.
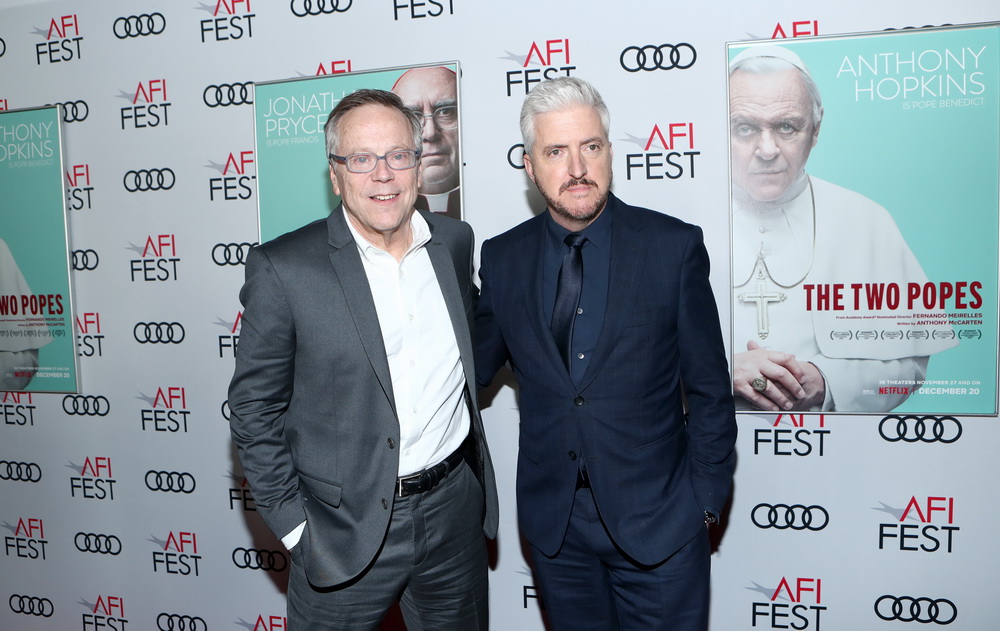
point(423, 481)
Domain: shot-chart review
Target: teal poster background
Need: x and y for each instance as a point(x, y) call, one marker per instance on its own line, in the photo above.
point(293, 178)
point(911, 121)
point(33, 226)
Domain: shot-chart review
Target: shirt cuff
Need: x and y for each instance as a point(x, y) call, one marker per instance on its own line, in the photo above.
point(292, 539)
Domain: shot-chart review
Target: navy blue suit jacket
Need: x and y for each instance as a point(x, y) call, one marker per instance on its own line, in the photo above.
point(653, 468)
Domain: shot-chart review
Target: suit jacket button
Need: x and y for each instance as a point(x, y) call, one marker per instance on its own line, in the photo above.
point(392, 445)
point(578, 401)
point(572, 455)
point(385, 504)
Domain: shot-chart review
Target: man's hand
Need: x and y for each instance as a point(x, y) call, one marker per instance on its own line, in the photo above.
point(791, 384)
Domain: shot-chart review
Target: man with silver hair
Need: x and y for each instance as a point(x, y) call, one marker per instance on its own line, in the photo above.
point(792, 231)
point(605, 313)
point(351, 406)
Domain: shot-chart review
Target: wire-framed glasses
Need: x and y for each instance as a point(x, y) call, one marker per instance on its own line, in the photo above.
point(445, 116)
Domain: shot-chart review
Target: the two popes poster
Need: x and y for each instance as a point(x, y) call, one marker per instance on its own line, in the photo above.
point(865, 220)
point(37, 346)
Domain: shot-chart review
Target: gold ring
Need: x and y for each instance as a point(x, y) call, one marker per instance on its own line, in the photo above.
point(759, 384)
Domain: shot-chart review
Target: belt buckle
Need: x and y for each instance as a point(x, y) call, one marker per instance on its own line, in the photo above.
point(407, 478)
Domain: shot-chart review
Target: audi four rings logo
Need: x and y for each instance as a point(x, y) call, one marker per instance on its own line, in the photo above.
point(98, 543)
point(158, 332)
point(908, 609)
point(85, 260)
point(149, 180)
point(86, 405)
point(20, 471)
point(663, 57)
point(227, 94)
point(231, 253)
point(177, 622)
point(74, 111)
point(783, 517)
point(253, 559)
point(302, 8)
point(923, 429)
point(170, 481)
point(139, 25)
point(30, 605)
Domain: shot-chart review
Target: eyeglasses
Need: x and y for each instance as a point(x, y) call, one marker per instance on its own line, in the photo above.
point(445, 117)
point(367, 162)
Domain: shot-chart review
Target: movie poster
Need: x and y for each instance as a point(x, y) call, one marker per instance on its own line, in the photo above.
point(293, 177)
point(864, 183)
point(37, 347)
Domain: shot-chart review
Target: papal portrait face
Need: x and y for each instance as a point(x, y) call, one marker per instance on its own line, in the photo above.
point(433, 92)
point(771, 132)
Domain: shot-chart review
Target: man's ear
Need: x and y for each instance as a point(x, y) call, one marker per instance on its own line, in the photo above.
point(528, 168)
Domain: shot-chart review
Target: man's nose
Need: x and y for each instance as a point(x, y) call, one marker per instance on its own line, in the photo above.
point(382, 172)
point(767, 148)
point(576, 166)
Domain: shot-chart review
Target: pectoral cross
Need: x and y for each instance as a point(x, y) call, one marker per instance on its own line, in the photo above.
point(761, 297)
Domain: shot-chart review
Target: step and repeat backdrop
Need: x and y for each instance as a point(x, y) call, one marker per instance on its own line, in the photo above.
point(123, 506)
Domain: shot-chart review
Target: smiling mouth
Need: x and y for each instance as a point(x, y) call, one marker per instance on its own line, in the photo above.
point(384, 198)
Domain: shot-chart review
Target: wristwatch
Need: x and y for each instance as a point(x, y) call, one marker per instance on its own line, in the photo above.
point(710, 518)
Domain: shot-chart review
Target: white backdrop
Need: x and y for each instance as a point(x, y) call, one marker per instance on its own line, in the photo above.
point(160, 185)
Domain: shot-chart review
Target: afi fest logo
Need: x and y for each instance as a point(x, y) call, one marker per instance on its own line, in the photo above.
point(177, 554)
point(158, 259)
point(231, 339)
point(265, 623)
point(93, 480)
point(241, 495)
point(804, 436)
point(668, 151)
point(167, 411)
point(78, 187)
point(62, 41)
point(89, 338)
point(149, 108)
point(416, 9)
point(28, 539)
point(17, 408)
point(925, 524)
point(799, 28)
point(107, 613)
point(552, 58)
point(234, 182)
point(339, 66)
point(796, 603)
point(231, 20)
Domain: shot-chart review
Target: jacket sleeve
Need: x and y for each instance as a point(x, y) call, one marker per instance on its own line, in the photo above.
point(260, 392)
point(491, 350)
point(707, 385)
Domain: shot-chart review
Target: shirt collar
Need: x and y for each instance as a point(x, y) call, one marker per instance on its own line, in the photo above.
point(597, 233)
point(419, 229)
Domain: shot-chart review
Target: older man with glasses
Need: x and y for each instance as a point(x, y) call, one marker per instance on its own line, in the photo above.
point(351, 406)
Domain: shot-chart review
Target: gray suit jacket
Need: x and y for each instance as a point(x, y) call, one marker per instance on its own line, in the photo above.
point(312, 409)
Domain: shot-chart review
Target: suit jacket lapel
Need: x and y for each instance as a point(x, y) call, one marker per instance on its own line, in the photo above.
point(627, 253)
point(447, 277)
point(346, 261)
point(530, 270)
